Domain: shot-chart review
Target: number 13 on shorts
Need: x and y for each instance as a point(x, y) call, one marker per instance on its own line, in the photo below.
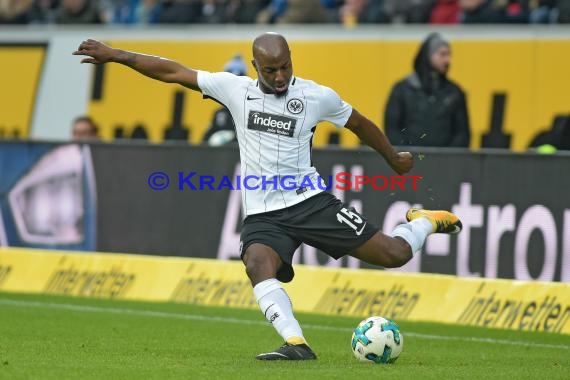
point(352, 219)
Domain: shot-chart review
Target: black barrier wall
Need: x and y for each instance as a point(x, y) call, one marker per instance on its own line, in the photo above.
point(515, 208)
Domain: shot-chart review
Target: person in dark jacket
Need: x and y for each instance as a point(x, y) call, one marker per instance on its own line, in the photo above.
point(426, 108)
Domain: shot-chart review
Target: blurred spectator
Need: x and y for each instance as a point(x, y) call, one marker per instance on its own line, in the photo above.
point(479, 12)
point(351, 11)
point(445, 12)
point(121, 11)
point(515, 11)
point(557, 137)
point(43, 11)
point(274, 10)
point(345, 12)
point(84, 128)
point(222, 129)
point(385, 11)
point(409, 11)
point(426, 108)
point(179, 11)
point(213, 11)
point(79, 12)
point(331, 9)
point(147, 13)
point(15, 11)
point(236, 66)
point(244, 11)
point(303, 12)
point(543, 11)
point(131, 11)
point(563, 11)
point(494, 11)
point(375, 13)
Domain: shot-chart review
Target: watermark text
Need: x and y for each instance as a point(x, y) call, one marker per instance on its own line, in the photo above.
point(341, 181)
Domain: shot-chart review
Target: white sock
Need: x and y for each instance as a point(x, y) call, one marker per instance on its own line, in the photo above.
point(276, 305)
point(414, 232)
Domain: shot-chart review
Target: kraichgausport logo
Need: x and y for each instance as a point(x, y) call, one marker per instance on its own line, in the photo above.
point(286, 182)
point(270, 123)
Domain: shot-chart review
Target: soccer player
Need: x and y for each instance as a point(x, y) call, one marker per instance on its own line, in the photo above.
point(275, 118)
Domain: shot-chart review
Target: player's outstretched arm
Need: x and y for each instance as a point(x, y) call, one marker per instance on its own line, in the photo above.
point(158, 68)
point(372, 136)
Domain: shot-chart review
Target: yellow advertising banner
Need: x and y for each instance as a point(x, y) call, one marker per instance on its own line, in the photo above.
point(20, 72)
point(530, 306)
point(528, 72)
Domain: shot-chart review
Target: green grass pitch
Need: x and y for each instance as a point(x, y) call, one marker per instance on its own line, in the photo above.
point(46, 337)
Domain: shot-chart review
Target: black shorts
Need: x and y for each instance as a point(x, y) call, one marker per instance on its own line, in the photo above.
point(321, 221)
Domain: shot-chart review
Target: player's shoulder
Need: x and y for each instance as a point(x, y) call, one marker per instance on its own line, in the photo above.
point(233, 77)
point(302, 83)
point(225, 77)
point(312, 86)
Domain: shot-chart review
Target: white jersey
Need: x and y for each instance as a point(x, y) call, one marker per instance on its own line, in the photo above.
point(275, 136)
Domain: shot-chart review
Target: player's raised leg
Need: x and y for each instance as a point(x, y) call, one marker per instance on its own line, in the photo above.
point(262, 264)
point(397, 249)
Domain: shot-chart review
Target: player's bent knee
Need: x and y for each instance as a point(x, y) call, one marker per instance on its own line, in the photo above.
point(398, 252)
point(399, 257)
point(385, 251)
point(261, 262)
point(254, 262)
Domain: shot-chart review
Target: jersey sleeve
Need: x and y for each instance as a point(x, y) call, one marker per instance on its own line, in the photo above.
point(218, 86)
point(333, 108)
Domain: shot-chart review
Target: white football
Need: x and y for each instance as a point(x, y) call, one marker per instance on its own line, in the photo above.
point(377, 340)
